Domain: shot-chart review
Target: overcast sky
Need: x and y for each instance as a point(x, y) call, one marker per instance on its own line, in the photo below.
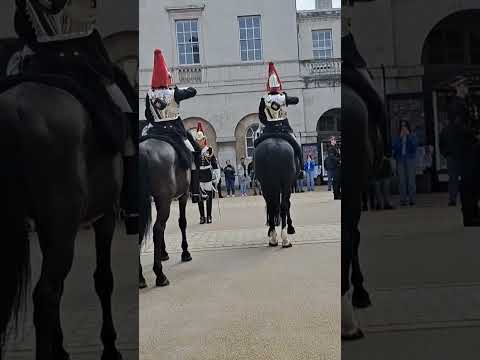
point(310, 4)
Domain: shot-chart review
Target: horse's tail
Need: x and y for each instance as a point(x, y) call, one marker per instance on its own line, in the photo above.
point(144, 191)
point(15, 246)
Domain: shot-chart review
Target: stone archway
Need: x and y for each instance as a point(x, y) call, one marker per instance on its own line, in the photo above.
point(454, 40)
point(123, 50)
point(191, 125)
point(451, 49)
point(328, 126)
point(246, 132)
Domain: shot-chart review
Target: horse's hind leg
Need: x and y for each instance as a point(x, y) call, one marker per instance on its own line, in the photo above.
point(57, 241)
point(163, 213)
point(163, 251)
point(290, 228)
point(271, 217)
point(360, 296)
point(141, 280)
point(284, 209)
point(104, 229)
point(182, 223)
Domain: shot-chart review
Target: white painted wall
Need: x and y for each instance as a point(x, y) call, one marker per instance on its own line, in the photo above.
point(230, 89)
point(305, 27)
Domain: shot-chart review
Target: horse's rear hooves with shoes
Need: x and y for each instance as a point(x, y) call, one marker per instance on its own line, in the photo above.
point(186, 257)
point(164, 256)
point(161, 282)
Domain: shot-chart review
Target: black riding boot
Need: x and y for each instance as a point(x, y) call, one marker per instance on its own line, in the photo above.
point(195, 181)
point(201, 209)
point(299, 158)
point(209, 206)
point(130, 194)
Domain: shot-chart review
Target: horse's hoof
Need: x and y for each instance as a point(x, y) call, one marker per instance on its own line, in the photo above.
point(285, 242)
point(142, 284)
point(361, 298)
point(161, 282)
point(356, 335)
point(290, 230)
point(164, 256)
point(273, 238)
point(61, 355)
point(186, 257)
point(111, 355)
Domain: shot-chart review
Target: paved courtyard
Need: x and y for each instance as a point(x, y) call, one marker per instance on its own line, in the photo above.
point(238, 298)
point(422, 269)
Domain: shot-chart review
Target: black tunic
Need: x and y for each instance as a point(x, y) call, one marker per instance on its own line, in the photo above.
point(177, 124)
point(207, 164)
point(274, 126)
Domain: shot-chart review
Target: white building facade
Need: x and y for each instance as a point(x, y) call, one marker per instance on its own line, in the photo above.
point(414, 51)
point(222, 47)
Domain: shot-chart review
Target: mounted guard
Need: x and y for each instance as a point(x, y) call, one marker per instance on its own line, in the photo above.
point(63, 48)
point(273, 115)
point(164, 121)
point(209, 175)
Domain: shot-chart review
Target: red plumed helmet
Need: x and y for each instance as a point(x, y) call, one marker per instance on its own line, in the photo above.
point(200, 133)
point(273, 83)
point(161, 77)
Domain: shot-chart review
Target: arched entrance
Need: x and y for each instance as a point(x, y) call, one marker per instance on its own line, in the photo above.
point(191, 125)
point(123, 50)
point(328, 127)
point(451, 49)
point(247, 130)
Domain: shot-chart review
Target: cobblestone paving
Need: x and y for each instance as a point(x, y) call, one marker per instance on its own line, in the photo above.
point(239, 299)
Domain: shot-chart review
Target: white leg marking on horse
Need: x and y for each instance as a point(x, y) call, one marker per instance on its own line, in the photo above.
point(349, 322)
point(285, 242)
point(273, 238)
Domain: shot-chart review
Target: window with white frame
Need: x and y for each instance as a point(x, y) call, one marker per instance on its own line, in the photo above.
point(253, 132)
point(322, 44)
point(188, 47)
point(250, 38)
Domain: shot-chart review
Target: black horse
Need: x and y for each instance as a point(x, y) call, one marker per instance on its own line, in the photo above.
point(275, 169)
point(359, 150)
point(56, 171)
point(163, 178)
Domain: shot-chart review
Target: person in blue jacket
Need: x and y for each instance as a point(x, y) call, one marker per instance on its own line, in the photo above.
point(309, 168)
point(405, 153)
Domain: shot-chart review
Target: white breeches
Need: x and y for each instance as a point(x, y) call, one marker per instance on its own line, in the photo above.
point(206, 186)
point(189, 145)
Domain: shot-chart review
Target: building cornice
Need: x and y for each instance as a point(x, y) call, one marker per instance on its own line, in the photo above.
point(186, 8)
point(318, 14)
